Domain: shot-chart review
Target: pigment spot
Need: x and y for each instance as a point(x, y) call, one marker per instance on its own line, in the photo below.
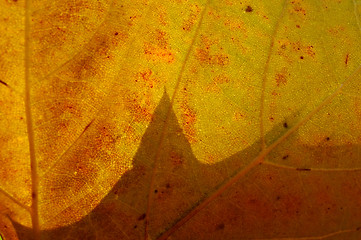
point(220, 226)
point(285, 125)
point(303, 169)
point(347, 59)
point(141, 217)
point(285, 157)
point(249, 9)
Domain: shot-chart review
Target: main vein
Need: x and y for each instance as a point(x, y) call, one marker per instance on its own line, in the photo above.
point(30, 129)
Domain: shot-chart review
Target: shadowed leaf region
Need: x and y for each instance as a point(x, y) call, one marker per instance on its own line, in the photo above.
point(166, 174)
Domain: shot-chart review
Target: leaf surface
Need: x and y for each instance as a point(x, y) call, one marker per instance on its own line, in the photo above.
point(180, 120)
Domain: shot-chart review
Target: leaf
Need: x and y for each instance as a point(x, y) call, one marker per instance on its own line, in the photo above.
point(258, 139)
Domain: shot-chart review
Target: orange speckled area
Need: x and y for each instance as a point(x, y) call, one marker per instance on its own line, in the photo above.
point(189, 22)
point(189, 119)
point(159, 49)
point(208, 54)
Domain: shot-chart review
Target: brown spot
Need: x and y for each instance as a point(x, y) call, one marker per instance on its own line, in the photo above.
point(249, 9)
point(141, 217)
point(285, 125)
point(285, 157)
point(328, 139)
point(301, 57)
point(220, 226)
point(298, 26)
point(116, 33)
point(346, 58)
point(167, 185)
point(156, 191)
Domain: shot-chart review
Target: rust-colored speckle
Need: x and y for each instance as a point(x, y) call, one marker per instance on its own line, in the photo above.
point(238, 116)
point(281, 79)
point(215, 85)
point(298, 8)
point(336, 31)
point(192, 18)
point(176, 159)
point(159, 48)
point(298, 26)
point(141, 112)
point(310, 51)
point(189, 119)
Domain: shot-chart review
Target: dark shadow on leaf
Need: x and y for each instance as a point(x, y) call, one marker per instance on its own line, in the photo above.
point(181, 183)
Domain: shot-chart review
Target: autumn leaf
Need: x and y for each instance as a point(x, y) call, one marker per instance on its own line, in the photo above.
point(180, 119)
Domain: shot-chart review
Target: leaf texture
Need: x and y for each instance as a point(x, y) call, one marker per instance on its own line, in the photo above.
point(180, 119)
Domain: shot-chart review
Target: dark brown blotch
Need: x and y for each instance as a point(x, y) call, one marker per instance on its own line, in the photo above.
point(249, 9)
point(142, 217)
point(4, 83)
point(220, 226)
